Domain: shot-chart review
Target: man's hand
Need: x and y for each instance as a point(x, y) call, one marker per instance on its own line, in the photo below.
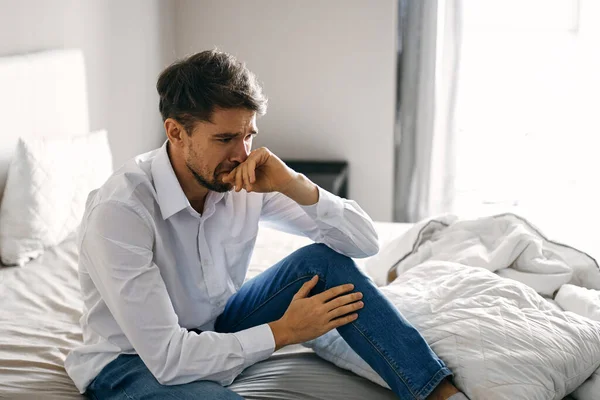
point(264, 172)
point(310, 317)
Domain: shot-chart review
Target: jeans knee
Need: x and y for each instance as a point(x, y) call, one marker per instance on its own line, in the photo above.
point(318, 257)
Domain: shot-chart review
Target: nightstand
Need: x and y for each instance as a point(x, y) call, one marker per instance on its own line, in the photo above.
point(330, 175)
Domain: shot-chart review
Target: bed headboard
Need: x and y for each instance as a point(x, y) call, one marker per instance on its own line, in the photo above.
point(41, 94)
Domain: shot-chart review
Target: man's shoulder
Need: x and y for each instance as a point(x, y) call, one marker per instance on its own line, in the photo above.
point(129, 185)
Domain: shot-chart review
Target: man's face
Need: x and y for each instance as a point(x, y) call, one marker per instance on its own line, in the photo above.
point(214, 149)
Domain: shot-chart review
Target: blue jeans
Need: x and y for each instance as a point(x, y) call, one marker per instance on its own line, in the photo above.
point(380, 335)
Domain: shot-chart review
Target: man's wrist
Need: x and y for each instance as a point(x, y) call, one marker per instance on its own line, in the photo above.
point(302, 190)
point(280, 334)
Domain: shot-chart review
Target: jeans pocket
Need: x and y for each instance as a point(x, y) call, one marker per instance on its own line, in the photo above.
point(115, 371)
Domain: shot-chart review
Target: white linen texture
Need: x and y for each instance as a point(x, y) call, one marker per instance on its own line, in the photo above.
point(48, 182)
point(584, 302)
point(473, 288)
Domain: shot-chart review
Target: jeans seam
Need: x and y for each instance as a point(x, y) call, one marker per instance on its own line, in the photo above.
point(126, 395)
point(432, 384)
point(269, 299)
point(342, 359)
point(387, 361)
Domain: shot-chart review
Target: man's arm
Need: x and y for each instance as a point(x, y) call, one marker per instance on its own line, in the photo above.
point(116, 250)
point(294, 204)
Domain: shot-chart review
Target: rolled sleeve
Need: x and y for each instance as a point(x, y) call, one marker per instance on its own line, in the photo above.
point(329, 208)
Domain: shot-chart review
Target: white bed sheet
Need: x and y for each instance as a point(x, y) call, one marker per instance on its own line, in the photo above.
point(40, 306)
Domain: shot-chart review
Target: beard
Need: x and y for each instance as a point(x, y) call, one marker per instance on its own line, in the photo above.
point(212, 182)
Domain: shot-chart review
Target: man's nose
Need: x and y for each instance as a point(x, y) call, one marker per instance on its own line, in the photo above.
point(240, 152)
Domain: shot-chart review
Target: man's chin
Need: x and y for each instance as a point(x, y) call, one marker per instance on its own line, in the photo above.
point(226, 187)
point(221, 187)
point(217, 185)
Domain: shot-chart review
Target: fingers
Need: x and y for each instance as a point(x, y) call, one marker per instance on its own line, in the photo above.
point(252, 171)
point(343, 300)
point(347, 309)
point(306, 288)
point(334, 292)
point(246, 175)
point(336, 323)
point(236, 177)
point(239, 181)
point(243, 176)
point(229, 177)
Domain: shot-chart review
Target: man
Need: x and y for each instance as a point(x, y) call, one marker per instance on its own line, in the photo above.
point(165, 244)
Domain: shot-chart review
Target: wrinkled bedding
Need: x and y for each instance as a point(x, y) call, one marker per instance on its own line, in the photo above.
point(483, 293)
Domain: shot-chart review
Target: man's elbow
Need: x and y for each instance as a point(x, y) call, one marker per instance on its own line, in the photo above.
point(372, 248)
point(369, 247)
point(166, 375)
point(170, 379)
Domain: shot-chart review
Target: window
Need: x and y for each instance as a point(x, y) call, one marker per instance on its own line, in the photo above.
point(528, 113)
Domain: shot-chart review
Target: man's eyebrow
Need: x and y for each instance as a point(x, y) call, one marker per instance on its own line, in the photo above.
point(232, 135)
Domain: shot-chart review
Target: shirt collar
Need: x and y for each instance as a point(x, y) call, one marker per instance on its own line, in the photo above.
point(171, 198)
point(170, 195)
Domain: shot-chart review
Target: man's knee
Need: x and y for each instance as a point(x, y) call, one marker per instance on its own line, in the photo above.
point(318, 257)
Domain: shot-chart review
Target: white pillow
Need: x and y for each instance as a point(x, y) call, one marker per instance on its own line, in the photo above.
point(498, 336)
point(48, 182)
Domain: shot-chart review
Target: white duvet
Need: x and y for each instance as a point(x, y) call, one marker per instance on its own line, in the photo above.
point(473, 288)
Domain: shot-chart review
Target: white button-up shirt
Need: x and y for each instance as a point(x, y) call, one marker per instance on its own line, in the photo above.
point(151, 267)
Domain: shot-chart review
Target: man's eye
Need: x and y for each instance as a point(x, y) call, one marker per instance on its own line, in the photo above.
point(225, 140)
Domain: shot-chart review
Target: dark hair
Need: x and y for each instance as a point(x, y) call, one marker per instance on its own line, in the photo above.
point(191, 89)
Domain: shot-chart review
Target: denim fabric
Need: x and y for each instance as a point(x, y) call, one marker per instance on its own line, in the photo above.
point(127, 378)
point(380, 335)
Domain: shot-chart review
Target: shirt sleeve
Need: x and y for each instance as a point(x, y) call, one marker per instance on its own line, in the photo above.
point(117, 249)
point(339, 223)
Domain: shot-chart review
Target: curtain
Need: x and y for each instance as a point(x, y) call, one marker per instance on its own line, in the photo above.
point(429, 49)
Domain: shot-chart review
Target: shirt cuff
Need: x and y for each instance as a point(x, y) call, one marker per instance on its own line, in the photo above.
point(329, 208)
point(257, 343)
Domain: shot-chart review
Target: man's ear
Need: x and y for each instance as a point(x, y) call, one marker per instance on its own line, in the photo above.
point(175, 132)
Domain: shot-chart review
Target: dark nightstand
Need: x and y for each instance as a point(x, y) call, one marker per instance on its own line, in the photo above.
point(330, 175)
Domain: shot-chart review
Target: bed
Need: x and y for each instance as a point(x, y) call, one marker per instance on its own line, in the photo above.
point(41, 303)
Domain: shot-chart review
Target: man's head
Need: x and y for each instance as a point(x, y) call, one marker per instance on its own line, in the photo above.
point(209, 103)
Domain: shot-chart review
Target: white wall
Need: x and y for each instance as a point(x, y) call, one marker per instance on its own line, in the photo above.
point(126, 44)
point(328, 68)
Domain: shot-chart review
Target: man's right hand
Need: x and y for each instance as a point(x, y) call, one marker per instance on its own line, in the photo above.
point(310, 317)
